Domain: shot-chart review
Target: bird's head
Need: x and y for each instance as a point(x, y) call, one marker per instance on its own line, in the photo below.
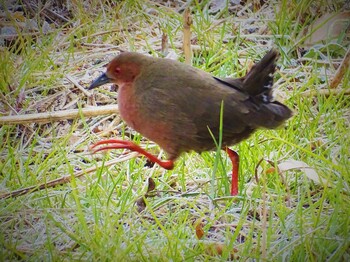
point(122, 69)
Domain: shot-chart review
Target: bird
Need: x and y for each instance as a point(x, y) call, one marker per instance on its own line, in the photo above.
point(180, 107)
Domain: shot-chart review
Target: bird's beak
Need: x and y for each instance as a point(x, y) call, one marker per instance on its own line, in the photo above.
point(101, 80)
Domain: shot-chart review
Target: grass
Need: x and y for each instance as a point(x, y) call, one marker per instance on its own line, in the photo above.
point(287, 216)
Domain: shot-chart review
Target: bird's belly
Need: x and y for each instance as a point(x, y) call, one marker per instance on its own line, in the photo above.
point(135, 116)
point(128, 107)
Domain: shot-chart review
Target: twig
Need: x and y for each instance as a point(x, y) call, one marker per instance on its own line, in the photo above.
point(341, 71)
point(10, 36)
point(76, 84)
point(108, 46)
point(64, 179)
point(57, 15)
point(318, 61)
point(165, 44)
point(326, 92)
point(58, 115)
point(187, 36)
point(264, 223)
point(4, 100)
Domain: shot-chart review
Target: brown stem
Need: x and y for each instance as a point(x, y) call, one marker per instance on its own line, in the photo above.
point(187, 36)
point(58, 115)
point(341, 71)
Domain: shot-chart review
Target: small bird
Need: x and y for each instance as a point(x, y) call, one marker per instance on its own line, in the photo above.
point(179, 106)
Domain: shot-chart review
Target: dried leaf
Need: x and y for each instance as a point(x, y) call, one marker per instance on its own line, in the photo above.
point(305, 168)
point(199, 228)
point(326, 28)
point(151, 185)
point(96, 129)
point(216, 6)
point(213, 249)
point(141, 204)
point(18, 16)
point(270, 170)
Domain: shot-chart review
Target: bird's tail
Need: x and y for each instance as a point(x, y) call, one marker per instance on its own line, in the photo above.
point(259, 80)
point(258, 84)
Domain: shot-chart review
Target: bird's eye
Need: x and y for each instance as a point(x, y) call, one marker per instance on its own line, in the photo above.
point(117, 70)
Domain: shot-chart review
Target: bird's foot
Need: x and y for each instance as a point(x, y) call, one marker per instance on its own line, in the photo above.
point(122, 144)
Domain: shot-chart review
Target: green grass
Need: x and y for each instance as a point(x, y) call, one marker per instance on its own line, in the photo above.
point(285, 216)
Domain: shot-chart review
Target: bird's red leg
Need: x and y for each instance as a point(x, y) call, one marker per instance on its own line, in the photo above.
point(235, 165)
point(119, 144)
